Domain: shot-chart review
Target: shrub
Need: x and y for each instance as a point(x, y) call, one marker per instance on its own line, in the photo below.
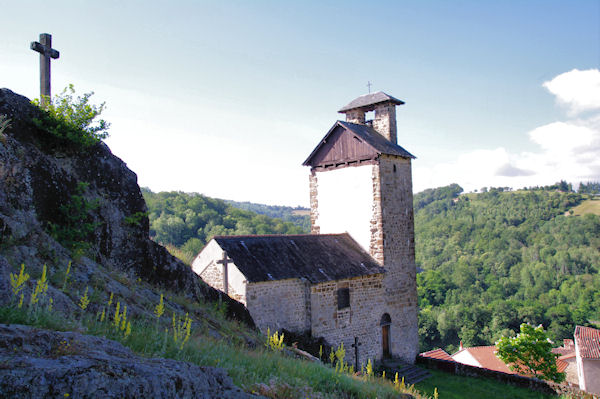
point(72, 119)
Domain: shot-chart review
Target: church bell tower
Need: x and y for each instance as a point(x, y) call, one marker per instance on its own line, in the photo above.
point(361, 183)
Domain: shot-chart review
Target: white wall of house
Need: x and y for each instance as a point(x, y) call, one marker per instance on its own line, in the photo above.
point(589, 378)
point(465, 357)
point(345, 200)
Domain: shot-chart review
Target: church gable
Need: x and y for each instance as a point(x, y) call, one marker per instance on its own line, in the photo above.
point(341, 147)
point(351, 144)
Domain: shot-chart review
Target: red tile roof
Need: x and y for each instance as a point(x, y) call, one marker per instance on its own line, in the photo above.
point(561, 365)
point(567, 348)
point(487, 358)
point(588, 342)
point(437, 354)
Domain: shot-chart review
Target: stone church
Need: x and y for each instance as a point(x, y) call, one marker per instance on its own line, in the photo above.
point(354, 277)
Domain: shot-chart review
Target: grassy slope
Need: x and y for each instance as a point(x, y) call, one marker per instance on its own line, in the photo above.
point(459, 387)
point(590, 206)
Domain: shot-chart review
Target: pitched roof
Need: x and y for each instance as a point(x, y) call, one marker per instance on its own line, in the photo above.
point(314, 257)
point(369, 100)
point(437, 354)
point(561, 365)
point(588, 342)
point(366, 133)
point(567, 348)
point(487, 358)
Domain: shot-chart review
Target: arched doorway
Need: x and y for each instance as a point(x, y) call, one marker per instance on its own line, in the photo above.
point(385, 323)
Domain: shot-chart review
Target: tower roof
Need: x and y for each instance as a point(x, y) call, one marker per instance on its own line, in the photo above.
point(369, 101)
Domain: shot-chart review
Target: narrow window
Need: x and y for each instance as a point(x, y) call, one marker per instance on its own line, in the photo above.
point(394, 168)
point(343, 298)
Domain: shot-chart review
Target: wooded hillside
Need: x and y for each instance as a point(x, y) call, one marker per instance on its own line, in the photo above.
point(496, 259)
point(185, 222)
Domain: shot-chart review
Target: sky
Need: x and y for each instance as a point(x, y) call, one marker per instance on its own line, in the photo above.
point(228, 98)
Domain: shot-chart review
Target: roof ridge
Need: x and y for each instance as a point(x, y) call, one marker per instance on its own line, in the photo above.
point(280, 235)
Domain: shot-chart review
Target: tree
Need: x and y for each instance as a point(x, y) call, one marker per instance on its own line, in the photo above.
point(530, 353)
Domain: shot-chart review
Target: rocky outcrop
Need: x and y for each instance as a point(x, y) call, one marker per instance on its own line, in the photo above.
point(47, 364)
point(39, 173)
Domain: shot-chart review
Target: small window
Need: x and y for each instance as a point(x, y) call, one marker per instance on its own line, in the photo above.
point(343, 298)
point(394, 168)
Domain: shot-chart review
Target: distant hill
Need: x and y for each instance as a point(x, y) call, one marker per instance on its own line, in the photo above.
point(297, 215)
point(185, 222)
point(496, 259)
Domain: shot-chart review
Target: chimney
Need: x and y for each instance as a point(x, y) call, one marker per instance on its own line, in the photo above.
point(385, 121)
point(461, 346)
point(385, 113)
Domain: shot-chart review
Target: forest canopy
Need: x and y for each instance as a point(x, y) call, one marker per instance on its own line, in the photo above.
point(496, 259)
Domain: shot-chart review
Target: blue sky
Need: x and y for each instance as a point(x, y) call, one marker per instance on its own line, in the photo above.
point(228, 98)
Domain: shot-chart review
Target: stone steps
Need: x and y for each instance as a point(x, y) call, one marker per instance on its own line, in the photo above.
point(411, 373)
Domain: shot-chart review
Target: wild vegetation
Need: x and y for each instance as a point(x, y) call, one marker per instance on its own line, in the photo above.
point(164, 330)
point(71, 119)
point(496, 259)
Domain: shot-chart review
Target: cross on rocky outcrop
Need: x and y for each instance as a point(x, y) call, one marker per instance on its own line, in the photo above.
point(44, 47)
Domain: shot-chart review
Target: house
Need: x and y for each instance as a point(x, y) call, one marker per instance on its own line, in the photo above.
point(587, 355)
point(353, 279)
point(566, 362)
point(437, 354)
point(481, 356)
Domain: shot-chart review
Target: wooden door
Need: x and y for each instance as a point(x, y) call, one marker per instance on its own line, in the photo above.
point(385, 338)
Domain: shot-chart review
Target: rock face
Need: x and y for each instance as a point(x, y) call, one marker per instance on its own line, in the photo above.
point(39, 173)
point(47, 364)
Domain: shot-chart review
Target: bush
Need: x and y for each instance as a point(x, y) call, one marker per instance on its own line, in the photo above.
point(72, 119)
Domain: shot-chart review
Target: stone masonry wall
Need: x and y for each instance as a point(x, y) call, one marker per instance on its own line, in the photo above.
point(360, 320)
point(385, 121)
point(395, 244)
point(279, 304)
point(314, 202)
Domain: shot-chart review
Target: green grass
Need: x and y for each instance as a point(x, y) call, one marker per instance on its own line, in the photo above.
point(452, 386)
point(590, 206)
point(258, 370)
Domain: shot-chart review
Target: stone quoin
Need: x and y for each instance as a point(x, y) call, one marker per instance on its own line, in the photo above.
point(353, 279)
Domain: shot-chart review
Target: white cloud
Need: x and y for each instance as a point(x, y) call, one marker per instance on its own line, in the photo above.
point(568, 150)
point(577, 90)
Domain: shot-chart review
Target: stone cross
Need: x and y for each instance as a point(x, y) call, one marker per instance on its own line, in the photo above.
point(355, 345)
point(225, 261)
point(44, 47)
point(369, 84)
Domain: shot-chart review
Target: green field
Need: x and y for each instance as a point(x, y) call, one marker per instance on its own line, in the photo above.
point(451, 386)
point(589, 206)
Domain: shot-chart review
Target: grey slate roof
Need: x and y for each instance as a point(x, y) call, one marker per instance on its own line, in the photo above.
point(314, 257)
point(370, 99)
